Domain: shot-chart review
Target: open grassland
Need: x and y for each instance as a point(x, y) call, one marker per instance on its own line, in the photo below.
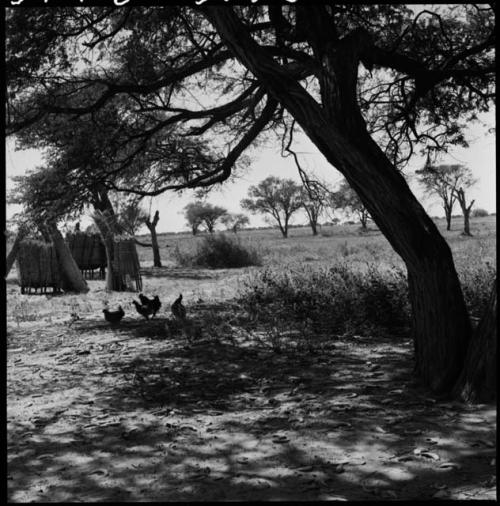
point(337, 242)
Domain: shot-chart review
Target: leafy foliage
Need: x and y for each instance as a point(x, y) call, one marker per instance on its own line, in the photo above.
point(479, 213)
point(198, 213)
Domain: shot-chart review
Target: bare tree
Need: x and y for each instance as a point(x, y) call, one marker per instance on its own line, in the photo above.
point(466, 209)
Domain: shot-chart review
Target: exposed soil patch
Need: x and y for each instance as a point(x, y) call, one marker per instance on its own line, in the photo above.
point(135, 412)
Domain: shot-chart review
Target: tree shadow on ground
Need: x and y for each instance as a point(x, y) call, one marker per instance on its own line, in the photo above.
point(129, 414)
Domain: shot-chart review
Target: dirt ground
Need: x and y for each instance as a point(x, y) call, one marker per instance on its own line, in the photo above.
point(135, 412)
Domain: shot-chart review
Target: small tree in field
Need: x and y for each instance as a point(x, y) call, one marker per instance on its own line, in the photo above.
point(210, 214)
point(198, 213)
point(465, 208)
point(346, 198)
point(445, 181)
point(279, 198)
point(192, 213)
point(314, 201)
point(235, 221)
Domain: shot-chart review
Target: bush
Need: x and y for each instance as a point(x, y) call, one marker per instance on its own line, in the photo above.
point(479, 213)
point(342, 300)
point(338, 300)
point(219, 252)
point(476, 280)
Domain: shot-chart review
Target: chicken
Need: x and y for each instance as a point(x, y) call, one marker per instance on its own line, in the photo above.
point(178, 310)
point(154, 303)
point(113, 316)
point(142, 309)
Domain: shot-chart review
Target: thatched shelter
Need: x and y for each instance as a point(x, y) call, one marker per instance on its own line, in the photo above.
point(38, 267)
point(126, 263)
point(89, 253)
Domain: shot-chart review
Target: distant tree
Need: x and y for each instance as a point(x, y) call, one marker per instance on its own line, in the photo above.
point(479, 213)
point(313, 204)
point(466, 209)
point(235, 221)
point(210, 214)
point(347, 199)
point(192, 213)
point(279, 198)
point(154, 237)
point(198, 213)
point(444, 181)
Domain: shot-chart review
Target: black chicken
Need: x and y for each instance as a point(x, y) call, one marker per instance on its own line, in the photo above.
point(142, 309)
point(113, 316)
point(154, 303)
point(178, 310)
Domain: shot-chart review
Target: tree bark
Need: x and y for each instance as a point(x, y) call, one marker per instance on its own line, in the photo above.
point(441, 326)
point(154, 239)
point(11, 257)
point(478, 381)
point(72, 277)
point(467, 222)
point(447, 213)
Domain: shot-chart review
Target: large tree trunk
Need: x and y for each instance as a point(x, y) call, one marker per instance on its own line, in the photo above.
point(441, 326)
point(478, 381)
point(72, 276)
point(11, 257)
point(154, 239)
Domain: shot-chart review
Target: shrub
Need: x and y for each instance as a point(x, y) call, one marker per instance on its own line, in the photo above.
point(219, 252)
point(479, 213)
point(476, 280)
point(342, 300)
point(337, 300)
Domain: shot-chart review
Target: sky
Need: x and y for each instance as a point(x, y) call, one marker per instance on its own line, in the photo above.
point(479, 157)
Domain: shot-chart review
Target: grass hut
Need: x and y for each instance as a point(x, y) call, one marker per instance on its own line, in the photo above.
point(38, 267)
point(89, 253)
point(126, 263)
